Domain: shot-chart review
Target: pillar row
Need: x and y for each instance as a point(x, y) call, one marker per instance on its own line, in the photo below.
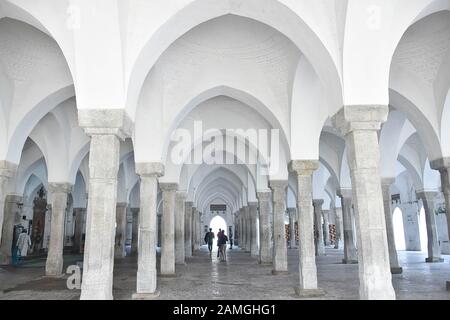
point(360, 125)
point(265, 230)
point(308, 286)
point(292, 236)
point(180, 199)
point(134, 230)
point(121, 230)
point(54, 263)
point(350, 253)
point(253, 212)
point(279, 234)
point(188, 229)
point(146, 279)
point(434, 250)
point(168, 229)
point(320, 245)
point(393, 257)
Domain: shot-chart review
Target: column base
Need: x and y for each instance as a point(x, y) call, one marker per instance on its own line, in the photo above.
point(54, 276)
point(309, 293)
point(168, 275)
point(265, 263)
point(397, 270)
point(5, 260)
point(279, 273)
point(145, 296)
point(434, 260)
point(345, 261)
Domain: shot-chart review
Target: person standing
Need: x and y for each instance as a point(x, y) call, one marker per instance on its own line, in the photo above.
point(230, 233)
point(209, 238)
point(23, 243)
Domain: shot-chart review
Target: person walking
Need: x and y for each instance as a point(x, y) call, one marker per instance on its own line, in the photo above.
point(209, 238)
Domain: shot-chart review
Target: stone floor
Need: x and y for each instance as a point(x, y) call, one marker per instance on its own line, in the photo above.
point(239, 278)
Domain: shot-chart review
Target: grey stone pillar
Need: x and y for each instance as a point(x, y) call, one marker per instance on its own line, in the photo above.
point(280, 265)
point(200, 231)
point(292, 212)
point(180, 199)
point(7, 170)
point(320, 245)
point(106, 129)
point(194, 229)
point(360, 126)
point(188, 229)
point(434, 250)
point(326, 227)
point(443, 165)
point(308, 286)
point(78, 233)
point(253, 212)
point(134, 231)
point(338, 222)
point(146, 280)
point(247, 229)
point(168, 229)
point(11, 211)
point(54, 263)
point(265, 230)
point(121, 231)
point(393, 258)
point(350, 253)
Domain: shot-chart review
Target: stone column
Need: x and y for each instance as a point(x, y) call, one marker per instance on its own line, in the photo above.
point(54, 263)
point(350, 253)
point(434, 250)
point(180, 199)
point(200, 231)
point(326, 227)
point(253, 212)
point(360, 126)
point(280, 265)
point(393, 258)
point(7, 170)
point(188, 229)
point(320, 246)
point(338, 219)
point(106, 129)
point(168, 229)
point(194, 229)
point(308, 286)
point(135, 231)
point(292, 241)
point(265, 230)
point(11, 210)
point(121, 230)
point(78, 233)
point(146, 281)
point(443, 165)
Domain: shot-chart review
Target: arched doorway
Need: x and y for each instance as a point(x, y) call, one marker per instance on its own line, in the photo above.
point(399, 232)
point(218, 223)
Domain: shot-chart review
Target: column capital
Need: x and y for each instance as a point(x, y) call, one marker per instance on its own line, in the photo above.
point(440, 164)
point(150, 169)
point(360, 117)
point(168, 186)
point(105, 122)
point(122, 204)
point(181, 194)
point(426, 194)
point(387, 181)
point(303, 167)
point(7, 169)
point(292, 210)
point(189, 203)
point(317, 202)
point(264, 195)
point(344, 193)
point(57, 187)
point(279, 190)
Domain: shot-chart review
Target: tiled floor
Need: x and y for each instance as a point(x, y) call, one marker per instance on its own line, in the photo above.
point(239, 278)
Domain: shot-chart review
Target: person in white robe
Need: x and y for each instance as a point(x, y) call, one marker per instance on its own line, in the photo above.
point(23, 243)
